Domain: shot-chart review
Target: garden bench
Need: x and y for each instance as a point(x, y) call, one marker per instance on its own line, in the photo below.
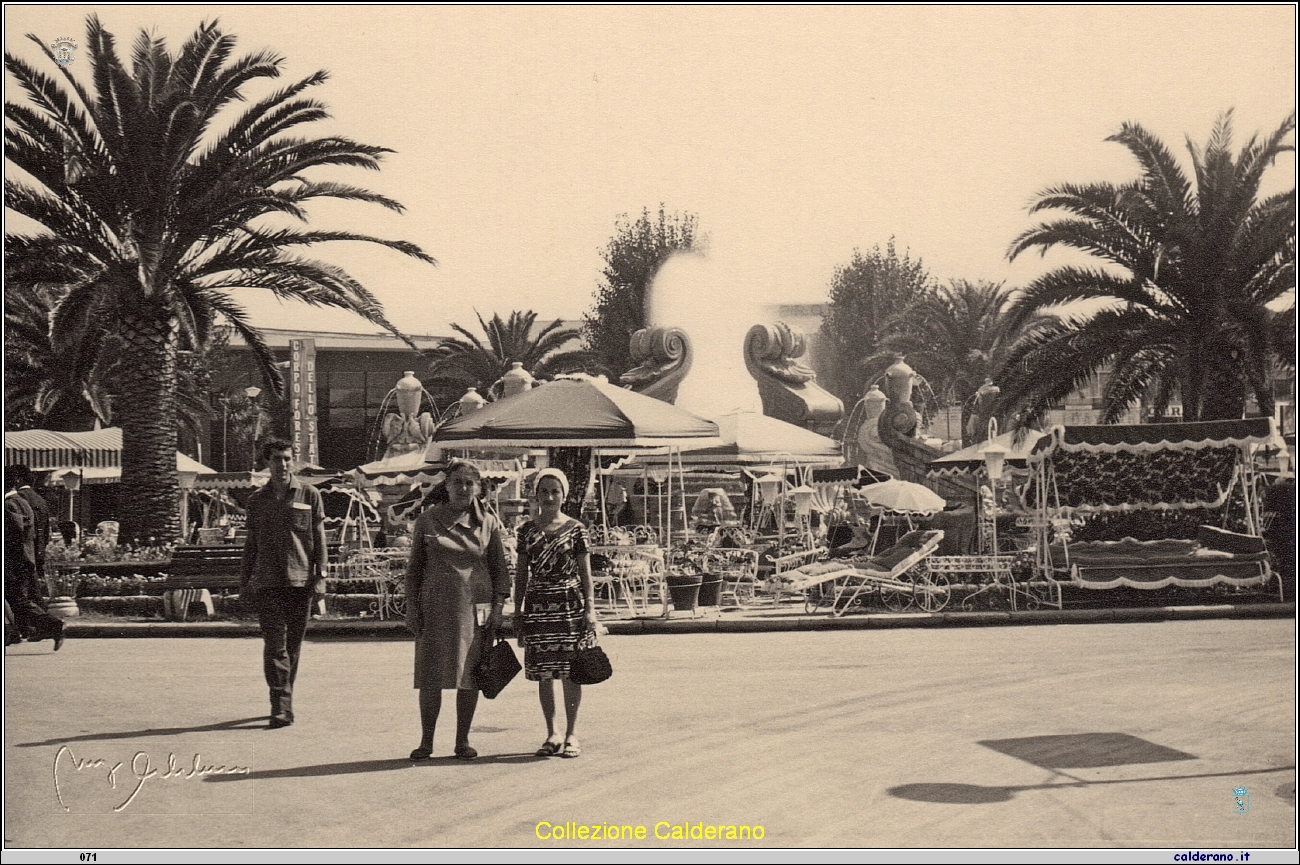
point(194, 572)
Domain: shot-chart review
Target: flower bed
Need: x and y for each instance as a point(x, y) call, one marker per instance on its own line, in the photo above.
point(131, 606)
point(344, 586)
point(96, 586)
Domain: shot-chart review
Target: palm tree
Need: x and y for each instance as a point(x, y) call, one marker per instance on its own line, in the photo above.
point(469, 362)
point(59, 387)
point(151, 196)
point(1188, 275)
point(956, 337)
point(69, 384)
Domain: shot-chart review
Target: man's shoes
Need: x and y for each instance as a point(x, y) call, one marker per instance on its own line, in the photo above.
point(278, 721)
point(58, 640)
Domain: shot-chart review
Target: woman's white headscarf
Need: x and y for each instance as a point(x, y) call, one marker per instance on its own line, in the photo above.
point(552, 473)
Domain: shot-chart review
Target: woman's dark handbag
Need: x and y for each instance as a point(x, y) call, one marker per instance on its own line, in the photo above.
point(496, 668)
point(590, 667)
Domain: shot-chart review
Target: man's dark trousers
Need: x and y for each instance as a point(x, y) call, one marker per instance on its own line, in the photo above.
point(282, 612)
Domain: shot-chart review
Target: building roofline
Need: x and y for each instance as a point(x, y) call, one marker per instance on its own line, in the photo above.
point(277, 337)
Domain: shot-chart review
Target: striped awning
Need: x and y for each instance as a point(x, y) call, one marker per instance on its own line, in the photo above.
point(45, 450)
point(113, 474)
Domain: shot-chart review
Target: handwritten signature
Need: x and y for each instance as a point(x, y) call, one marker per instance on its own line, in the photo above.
point(141, 770)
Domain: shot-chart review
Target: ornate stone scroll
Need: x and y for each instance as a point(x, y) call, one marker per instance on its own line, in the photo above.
point(789, 389)
point(663, 356)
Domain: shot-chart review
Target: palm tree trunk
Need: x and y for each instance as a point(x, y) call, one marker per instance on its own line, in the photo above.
point(150, 495)
point(1212, 388)
point(1224, 395)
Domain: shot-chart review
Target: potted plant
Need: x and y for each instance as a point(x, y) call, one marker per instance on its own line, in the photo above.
point(62, 578)
point(711, 577)
point(684, 578)
point(684, 590)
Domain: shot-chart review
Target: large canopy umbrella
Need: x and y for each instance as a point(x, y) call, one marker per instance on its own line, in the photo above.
point(580, 413)
point(583, 412)
point(45, 450)
point(903, 497)
point(404, 469)
point(113, 474)
point(749, 438)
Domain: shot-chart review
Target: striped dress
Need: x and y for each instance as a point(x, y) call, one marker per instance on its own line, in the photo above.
point(553, 620)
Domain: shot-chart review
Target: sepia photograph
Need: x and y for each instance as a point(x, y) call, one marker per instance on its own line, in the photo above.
point(879, 418)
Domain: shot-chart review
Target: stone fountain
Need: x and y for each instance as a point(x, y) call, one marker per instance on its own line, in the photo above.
point(407, 429)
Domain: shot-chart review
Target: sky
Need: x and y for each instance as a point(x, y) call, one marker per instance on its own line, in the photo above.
point(796, 134)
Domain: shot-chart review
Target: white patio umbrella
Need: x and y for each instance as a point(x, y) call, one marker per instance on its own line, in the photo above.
point(903, 497)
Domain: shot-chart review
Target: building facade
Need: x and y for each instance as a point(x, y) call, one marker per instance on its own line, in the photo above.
point(353, 373)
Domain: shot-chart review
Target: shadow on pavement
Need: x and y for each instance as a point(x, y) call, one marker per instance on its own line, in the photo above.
point(976, 794)
point(362, 766)
point(1085, 750)
point(255, 723)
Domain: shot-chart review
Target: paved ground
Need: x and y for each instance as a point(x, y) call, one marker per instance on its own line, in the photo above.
point(1060, 735)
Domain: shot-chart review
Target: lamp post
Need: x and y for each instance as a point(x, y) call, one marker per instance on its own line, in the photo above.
point(72, 483)
point(994, 460)
point(253, 392)
point(225, 422)
point(186, 481)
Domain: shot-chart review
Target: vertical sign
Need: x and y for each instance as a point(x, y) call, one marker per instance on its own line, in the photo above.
point(302, 399)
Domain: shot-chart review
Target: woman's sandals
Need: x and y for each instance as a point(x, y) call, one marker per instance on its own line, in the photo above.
point(551, 747)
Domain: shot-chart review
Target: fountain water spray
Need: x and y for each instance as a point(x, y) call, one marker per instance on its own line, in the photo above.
point(708, 301)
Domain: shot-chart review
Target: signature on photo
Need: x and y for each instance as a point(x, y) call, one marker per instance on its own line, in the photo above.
point(141, 769)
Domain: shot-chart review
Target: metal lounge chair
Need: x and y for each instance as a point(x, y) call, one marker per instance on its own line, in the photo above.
point(783, 566)
point(899, 575)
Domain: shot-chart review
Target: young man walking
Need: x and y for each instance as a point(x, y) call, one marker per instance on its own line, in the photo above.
point(285, 563)
point(23, 479)
point(22, 586)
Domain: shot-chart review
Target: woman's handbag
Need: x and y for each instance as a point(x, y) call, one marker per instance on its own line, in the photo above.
point(590, 666)
point(496, 668)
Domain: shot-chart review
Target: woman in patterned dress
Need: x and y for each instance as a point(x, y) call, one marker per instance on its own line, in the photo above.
point(557, 605)
point(457, 572)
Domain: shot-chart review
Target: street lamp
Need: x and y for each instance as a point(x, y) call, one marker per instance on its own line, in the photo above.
point(72, 483)
point(253, 392)
point(995, 457)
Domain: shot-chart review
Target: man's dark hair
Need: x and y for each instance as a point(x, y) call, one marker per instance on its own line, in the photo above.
point(274, 445)
point(22, 475)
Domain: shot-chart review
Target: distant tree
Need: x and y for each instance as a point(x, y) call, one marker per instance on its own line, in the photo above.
point(632, 258)
point(472, 362)
point(868, 295)
point(1189, 296)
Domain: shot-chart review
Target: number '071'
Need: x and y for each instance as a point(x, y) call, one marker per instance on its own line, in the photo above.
point(89, 857)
